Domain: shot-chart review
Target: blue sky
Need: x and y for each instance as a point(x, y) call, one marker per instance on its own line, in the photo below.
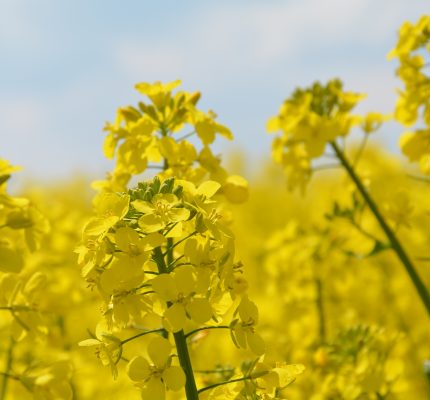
point(67, 65)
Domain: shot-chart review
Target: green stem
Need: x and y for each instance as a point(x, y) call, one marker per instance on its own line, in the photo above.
point(186, 136)
point(395, 243)
point(141, 334)
point(180, 340)
point(320, 310)
point(205, 328)
point(171, 246)
point(8, 366)
point(185, 361)
point(214, 371)
point(245, 378)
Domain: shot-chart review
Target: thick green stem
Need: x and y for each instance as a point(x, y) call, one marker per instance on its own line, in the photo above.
point(185, 361)
point(8, 368)
point(320, 310)
point(180, 339)
point(395, 243)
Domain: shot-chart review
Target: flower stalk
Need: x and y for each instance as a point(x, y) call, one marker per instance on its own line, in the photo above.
point(395, 243)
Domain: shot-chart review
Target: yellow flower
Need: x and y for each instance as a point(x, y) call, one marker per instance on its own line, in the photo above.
point(153, 379)
point(183, 291)
point(372, 121)
point(243, 330)
point(162, 210)
point(110, 207)
point(272, 378)
point(108, 347)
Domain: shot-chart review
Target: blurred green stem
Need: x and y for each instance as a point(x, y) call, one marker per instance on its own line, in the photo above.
point(8, 367)
point(395, 243)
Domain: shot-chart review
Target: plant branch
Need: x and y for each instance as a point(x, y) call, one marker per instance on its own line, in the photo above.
point(245, 378)
point(205, 328)
point(395, 243)
point(180, 340)
point(141, 334)
point(8, 367)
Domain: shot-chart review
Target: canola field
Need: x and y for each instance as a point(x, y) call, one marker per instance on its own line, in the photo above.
point(175, 278)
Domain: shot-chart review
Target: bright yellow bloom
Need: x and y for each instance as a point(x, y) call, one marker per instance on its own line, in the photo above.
point(183, 290)
point(108, 347)
point(154, 379)
point(243, 330)
point(164, 209)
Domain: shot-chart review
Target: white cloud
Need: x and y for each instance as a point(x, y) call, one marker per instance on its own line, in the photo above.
point(228, 38)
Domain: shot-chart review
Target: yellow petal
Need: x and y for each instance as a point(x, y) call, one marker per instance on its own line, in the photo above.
point(143, 206)
point(124, 237)
point(256, 343)
point(165, 287)
point(208, 188)
point(179, 214)
point(174, 378)
point(185, 280)
point(159, 350)
point(138, 369)
point(151, 223)
point(175, 318)
point(154, 390)
point(200, 310)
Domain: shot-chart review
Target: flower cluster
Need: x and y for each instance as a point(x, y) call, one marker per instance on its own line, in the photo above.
point(412, 51)
point(310, 120)
point(25, 316)
point(162, 255)
point(157, 134)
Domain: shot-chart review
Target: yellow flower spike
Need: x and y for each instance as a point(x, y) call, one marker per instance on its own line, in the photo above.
point(310, 120)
